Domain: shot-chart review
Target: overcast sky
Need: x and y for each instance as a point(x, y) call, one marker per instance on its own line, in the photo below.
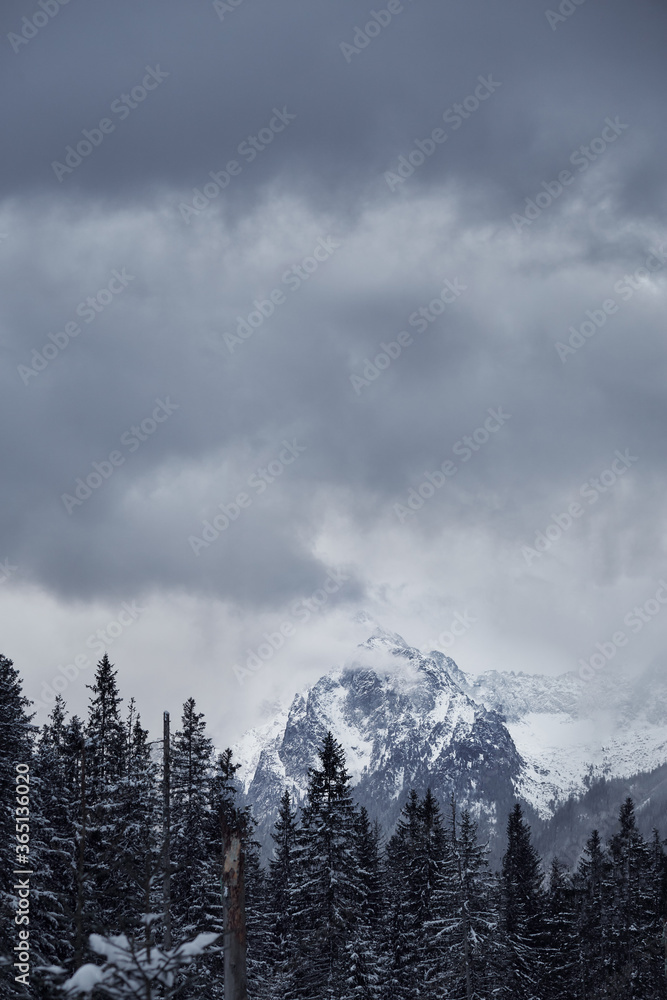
point(166, 350)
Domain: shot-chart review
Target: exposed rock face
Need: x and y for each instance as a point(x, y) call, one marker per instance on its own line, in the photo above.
point(410, 719)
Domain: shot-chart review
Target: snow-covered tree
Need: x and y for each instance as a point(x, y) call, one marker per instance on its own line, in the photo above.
point(281, 894)
point(135, 860)
point(561, 954)
point(57, 840)
point(522, 904)
point(366, 961)
point(328, 893)
point(191, 833)
point(465, 916)
point(105, 761)
point(415, 858)
point(635, 904)
point(593, 892)
point(135, 969)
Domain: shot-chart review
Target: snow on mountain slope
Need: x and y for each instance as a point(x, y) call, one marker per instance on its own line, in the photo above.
point(408, 719)
point(403, 720)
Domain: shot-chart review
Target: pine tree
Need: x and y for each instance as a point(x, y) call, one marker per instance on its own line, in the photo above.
point(399, 933)
point(136, 849)
point(465, 917)
point(281, 892)
point(328, 894)
point(591, 882)
point(74, 764)
point(426, 875)
point(257, 917)
point(105, 732)
point(57, 898)
point(522, 902)
point(658, 907)
point(416, 855)
point(196, 890)
point(223, 813)
point(105, 767)
point(191, 820)
point(561, 953)
point(135, 969)
point(635, 925)
point(365, 966)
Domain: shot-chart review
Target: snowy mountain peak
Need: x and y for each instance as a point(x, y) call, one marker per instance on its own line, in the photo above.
point(382, 638)
point(407, 719)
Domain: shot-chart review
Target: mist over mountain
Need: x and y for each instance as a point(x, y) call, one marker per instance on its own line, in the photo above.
point(413, 719)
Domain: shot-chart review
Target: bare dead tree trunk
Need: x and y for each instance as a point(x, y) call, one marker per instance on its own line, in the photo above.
point(233, 881)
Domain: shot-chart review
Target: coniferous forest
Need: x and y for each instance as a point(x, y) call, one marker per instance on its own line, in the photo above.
point(342, 911)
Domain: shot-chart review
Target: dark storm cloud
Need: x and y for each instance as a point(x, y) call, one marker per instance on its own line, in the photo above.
point(353, 119)
point(320, 181)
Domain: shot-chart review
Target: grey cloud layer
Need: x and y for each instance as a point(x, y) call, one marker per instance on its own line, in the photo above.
point(323, 177)
point(353, 119)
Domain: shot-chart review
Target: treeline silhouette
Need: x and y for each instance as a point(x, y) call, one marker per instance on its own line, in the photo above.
point(342, 911)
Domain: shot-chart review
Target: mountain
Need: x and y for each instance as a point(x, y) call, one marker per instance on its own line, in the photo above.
point(412, 719)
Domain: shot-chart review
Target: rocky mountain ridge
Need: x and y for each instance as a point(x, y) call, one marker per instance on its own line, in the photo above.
point(412, 719)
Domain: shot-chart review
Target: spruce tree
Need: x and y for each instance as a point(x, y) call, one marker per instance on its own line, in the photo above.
point(465, 918)
point(328, 893)
point(522, 901)
point(365, 965)
point(400, 929)
point(192, 751)
point(106, 735)
point(222, 814)
point(635, 932)
point(58, 834)
point(281, 891)
point(561, 953)
point(591, 882)
point(105, 766)
point(416, 855)
point(258, 930)
point(136, 851)
point(426, 875)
